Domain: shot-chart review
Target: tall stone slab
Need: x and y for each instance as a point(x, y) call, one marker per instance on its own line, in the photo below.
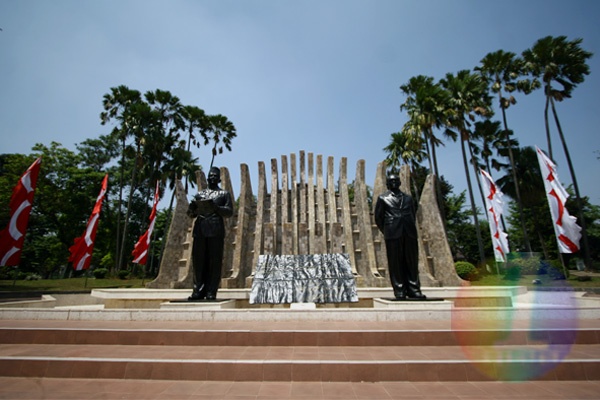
point(436, 265)
point(365, 224)
point(310, 205)
point(177, 243)
point(230, 225)
point(347, 215)
point(294, 204)
point(378, 240)
point(332, 211)
point(321, 222)
point(257, 248)
point(242, 245)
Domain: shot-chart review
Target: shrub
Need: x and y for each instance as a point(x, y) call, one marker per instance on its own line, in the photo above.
point(123, 274)
point(555, 270)
point(466, 270)
point(530, 266)
point(513, 273)
point(100, 273)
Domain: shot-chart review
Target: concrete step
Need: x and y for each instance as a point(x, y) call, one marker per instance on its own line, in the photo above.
point(331, 352)
point(298, 337)
point(323, 363)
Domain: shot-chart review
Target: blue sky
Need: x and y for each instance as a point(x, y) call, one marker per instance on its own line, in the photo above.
point(321, 76)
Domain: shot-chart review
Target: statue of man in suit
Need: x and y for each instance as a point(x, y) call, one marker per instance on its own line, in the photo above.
point(209, 207)
point(395, 218)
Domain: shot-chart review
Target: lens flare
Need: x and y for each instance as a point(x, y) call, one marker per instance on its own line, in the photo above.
point(521, 342)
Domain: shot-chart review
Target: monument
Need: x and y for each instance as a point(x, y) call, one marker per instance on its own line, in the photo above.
point(306, 213)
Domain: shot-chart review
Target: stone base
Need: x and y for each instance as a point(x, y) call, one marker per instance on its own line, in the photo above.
point(219, 304)
point(412, 304)
point(414, 299)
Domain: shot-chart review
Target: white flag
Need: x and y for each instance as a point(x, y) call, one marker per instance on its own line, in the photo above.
point(568, 233)
point(494, 207)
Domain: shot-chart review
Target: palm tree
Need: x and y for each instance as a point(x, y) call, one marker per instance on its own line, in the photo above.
point(195, 120)
point(561, 65)
point(407, 147)
point(223, 131)
point(426, 104)
point(118, 105)
point(504, 72)
point(468, 98)
point(426, 107)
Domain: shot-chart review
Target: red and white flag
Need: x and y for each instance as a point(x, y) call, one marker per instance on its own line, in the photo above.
point(140, 250)
point(494, 207)
point(81, 251)
point(568, 233)
point(12, 237)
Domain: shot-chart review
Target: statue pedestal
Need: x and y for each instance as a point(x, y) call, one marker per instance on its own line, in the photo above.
point(309, 278)
point(427, 304)
point(184, 305)
point(303, 306)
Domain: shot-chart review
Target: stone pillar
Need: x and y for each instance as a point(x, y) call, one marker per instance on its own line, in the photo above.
point(275, 207)
point(379, 188)
point(369, 262)
point(230, 223)
point(310, 203)
point(331, 209)
point(294, 208)
point(285, 194)
point(258, 226)
point(302, 188)
point(346, 216)
point(178, 242)
point(242, 246)
point(436, 265)
point(321, 223)
point(286, 226)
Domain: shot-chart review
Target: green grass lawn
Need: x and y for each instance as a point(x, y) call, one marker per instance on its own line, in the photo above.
point(68, 285)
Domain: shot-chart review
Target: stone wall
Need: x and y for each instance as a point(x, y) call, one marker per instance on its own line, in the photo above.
point(305, 213)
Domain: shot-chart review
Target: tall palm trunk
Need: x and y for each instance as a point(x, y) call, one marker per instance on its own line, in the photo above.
point(511, 157)
point(586, 248)
point(438, 186)
point(548, 96)
point(121, 179)
point(472, 199)
point(126, 222)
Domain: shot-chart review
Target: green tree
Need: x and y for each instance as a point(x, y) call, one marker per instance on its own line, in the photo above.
point(407, 148)
point(120, 107)
point(561, 65)
point(468, 99)
point(426, 104)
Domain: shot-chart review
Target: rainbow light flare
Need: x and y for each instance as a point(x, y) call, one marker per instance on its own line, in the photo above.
point(509, 349)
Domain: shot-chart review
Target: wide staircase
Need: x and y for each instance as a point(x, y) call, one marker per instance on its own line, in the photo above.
point(301, 351)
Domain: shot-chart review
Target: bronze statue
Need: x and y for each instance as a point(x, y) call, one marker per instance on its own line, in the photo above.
point(395, 218)
point(209, 207)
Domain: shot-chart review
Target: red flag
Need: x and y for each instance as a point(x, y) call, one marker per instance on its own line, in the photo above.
point(12, 237)
point(567, 232)
point(81, 251)
point(140, 250)
point(494, 206)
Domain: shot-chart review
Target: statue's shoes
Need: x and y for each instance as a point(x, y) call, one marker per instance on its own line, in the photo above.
point(211, 297)
point(196, 296)
point(417, 295)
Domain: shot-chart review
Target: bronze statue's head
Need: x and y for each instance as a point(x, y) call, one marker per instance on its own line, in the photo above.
point(214, 176)
point(393, 181)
